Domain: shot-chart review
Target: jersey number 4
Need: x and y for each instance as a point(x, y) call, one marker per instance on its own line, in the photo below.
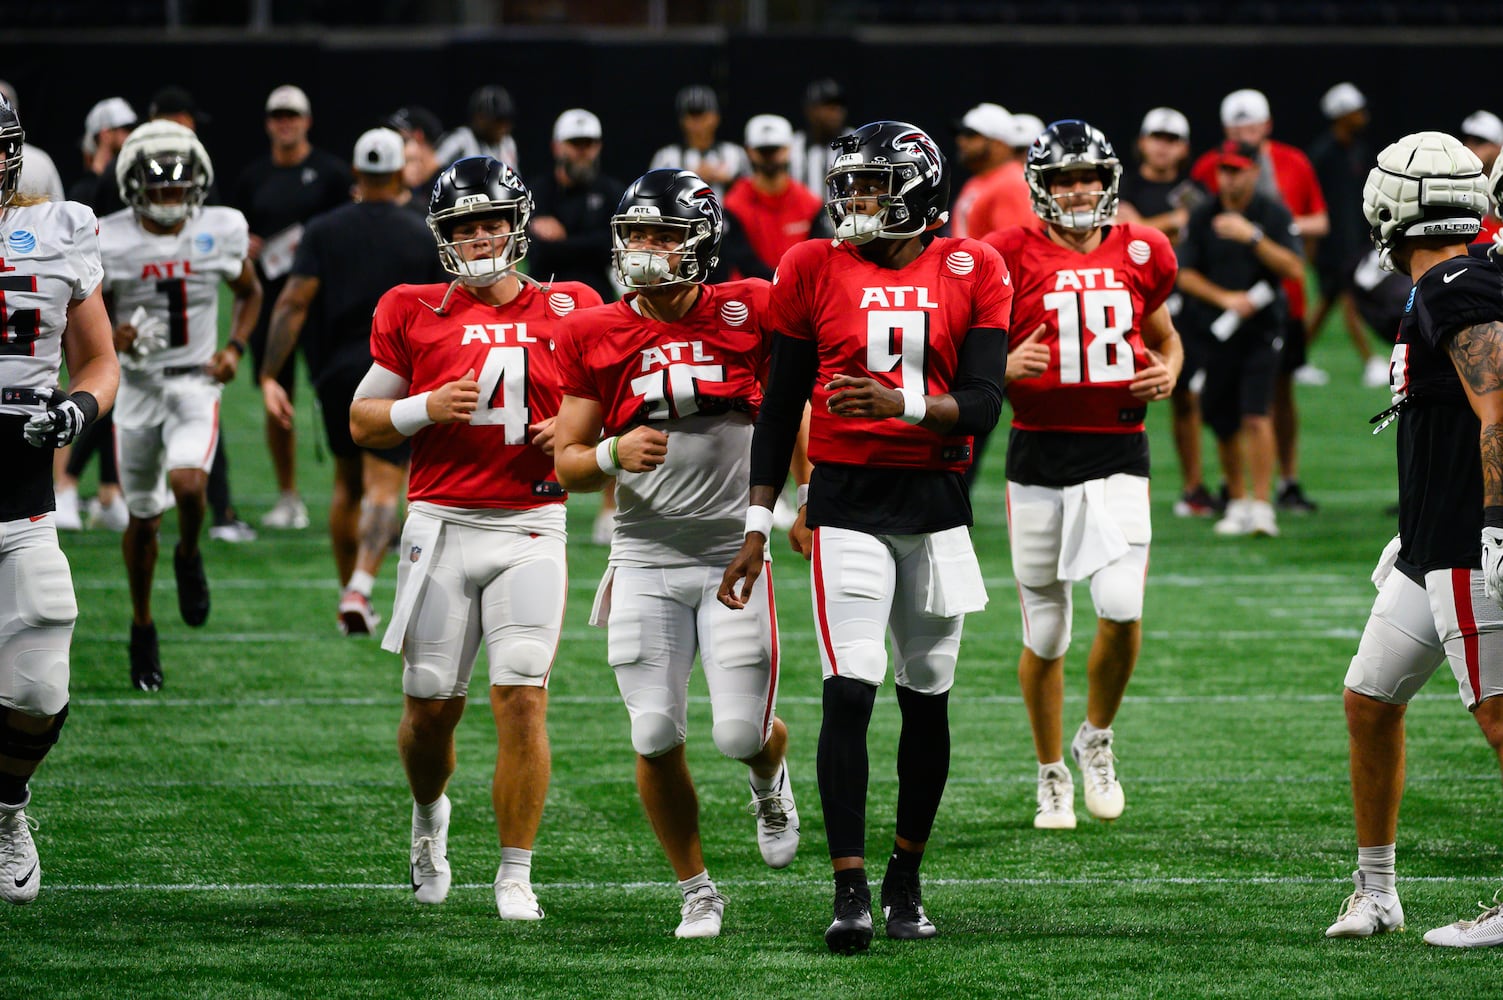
point(1106, 313)
point(503, 392)
point(19, 328)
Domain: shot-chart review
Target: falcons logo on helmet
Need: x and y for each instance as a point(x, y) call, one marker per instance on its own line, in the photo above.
point(919, 144)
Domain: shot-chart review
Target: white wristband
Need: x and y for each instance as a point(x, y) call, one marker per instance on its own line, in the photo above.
point(803, 495)
point(759, 519)
point(914, 407)
point(603, 457)
point(410, 415)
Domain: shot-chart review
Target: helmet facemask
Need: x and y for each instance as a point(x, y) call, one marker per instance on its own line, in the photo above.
point(502, 251)
point(1077, 218)
point(10, 174)
point(167, 186)
point(853, 193)
point(653, 267)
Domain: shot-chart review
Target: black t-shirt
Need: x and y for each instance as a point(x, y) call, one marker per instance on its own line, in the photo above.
point(1234, 266)
point(273, 198)
point(1342, 171)
point(1440, 468)
point(1379, 295)
point(584, 254)
point(1063, 458)
point(357, 252)
point(887, 501)
point(1150, 198)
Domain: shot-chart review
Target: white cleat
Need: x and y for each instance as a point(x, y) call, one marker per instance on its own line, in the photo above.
point(603, 528)
point(515, 901)
point(288, 512)
point(1237, 520)
point(67, 517)
point(1375, 373)
point(1484, 932)
point(1056, 798)
point(783, 514)
point(701, 914)
point(777, 821)
point(429, 868)
point(113, 516)
point(1367, 913)
point(1265, 519)
point(356, 616)
point(20, 868)
point(1098, 769)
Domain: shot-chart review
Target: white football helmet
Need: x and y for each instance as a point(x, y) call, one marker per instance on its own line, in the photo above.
point(1426, 184)
point(162, 157)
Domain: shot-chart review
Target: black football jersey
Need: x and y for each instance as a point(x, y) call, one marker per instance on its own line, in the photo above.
point(1440, 470)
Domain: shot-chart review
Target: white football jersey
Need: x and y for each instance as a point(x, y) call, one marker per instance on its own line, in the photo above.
point(49, 258)
point(174, 277)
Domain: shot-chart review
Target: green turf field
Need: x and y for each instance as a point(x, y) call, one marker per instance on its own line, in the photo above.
point(244, 833)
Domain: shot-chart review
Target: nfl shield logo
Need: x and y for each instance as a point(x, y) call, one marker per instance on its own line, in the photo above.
point(417, 550)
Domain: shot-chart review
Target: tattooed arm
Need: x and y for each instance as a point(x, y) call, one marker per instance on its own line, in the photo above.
point(1477, 352)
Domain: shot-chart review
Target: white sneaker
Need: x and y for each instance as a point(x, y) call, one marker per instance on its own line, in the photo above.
point(1367, 913)
point(701, 914)
point(1484, 932)
point(1056, 798)
point(1375, 373)
point(20, 869)
point(113, 516)
point(777, 821)
point(235, 531)
point(1237, 520)
point(604, 527)
point(1310, 375)
point(783, 514)
point(1265, 520)
point(356, 616)
point(1098, 769)
point(288, 512)
point(429, 868)
point(515, 901)
point(66, 517)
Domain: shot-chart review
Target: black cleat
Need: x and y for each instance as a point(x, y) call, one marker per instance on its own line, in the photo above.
point(145, 660)
point(903, 906)
point(851, 931)
point(192, 586)
point(1293, 499)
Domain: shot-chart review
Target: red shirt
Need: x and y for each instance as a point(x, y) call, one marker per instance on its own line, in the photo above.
point(902, 327)
point(489, 462)
point(773, 222)
point(1003, 201)
point(1093, 305)
point(713, 360)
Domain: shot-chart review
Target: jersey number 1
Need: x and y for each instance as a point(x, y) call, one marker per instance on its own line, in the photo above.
point(176, 290)
point(503, 392)
point(1107, 315)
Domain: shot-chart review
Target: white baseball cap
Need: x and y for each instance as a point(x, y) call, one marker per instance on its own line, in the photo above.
point(1167, 121)
point(1244, 107)
point(990, 120)
point(288, 98)
point(380, 151)
point(112, 112)
point(1023, 129)
point(1483, 125)
point(768, 130)
point(576, 123)
point(1342, 99)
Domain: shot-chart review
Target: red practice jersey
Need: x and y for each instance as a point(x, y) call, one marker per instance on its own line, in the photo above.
point(1093, 305)
point(773, 222)
point(903, 328)
point(713, 360)
point(489, 462)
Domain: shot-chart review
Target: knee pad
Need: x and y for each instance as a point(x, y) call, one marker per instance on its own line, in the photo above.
point(529, 658)
point(1046, 619)
point(44, 590)
point(1117, 591)
point(933, 672)
point(737, 738)
point(18, 744)
point(862, 660)
point(654, 734)
point(430, 680)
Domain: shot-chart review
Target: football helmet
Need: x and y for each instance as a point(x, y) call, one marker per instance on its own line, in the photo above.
point(1426, 184)
point(12, 136)
point(473, 188)
point(1495, 187)
point(671, 198)
point(160, 158)
point(895, 166)
point(1069, 145)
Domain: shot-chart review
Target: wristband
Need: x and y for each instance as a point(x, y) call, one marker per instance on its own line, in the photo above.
point(606, 457)
point(410, 415)
point(86, 403)
point(1492, 517)
point(803, 495)
point(237, 347)
point(915, 409)
point(1257, 236)
point(759, 519)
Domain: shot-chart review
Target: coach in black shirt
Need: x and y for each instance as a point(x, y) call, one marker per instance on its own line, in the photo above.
point(346, 261)
point(572, 206)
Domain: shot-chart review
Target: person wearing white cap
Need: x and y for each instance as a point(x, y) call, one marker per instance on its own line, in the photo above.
point(1022, 130)
point(278, 193)
point(1149, 194)
point(106, 127)
point(1482, 133)
point(572, 206)
point(996, 195)
point(1285, 175)
point(346, 260)
point(772, 211)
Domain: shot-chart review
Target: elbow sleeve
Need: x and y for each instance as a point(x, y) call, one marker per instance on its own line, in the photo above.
point(979, 376)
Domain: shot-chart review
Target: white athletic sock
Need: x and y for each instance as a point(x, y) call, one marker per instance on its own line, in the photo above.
point(1086, 731)
point(765, 785)
point(516, 864)
point(1375, 869)
point(694, 883)
point(427, 817)
point(361, 582)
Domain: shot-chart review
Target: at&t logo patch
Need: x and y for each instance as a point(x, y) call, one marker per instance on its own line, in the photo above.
point(961, 263)
point(734, 313)
point(204, 243)
point(1139, 251)
point(21, 241)
point(561, 303)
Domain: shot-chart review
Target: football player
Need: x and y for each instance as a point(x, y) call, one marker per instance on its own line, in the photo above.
point(165, 256)
point(466, 371)
point(1439, 581)
point(901, 335)
point(51, 306)
point(671, 375)
point(1093, 344)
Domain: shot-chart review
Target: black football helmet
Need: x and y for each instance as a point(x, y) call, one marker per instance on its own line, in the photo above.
point(896, 165)
point(12, 136)
point(471, 189)
point(163, 172)
point(669, 198)
point(1070, 145)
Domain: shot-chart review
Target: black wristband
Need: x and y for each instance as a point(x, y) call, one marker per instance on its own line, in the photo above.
point(86, 402)
point(1492, 517)
point(237, 347)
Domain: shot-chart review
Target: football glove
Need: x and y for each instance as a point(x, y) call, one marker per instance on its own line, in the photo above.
point(1492, 563)
point(1385, 562)
point(151, 333)
point(64, 419)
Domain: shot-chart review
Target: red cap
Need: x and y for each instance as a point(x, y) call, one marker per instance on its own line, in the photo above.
point(1242, 155)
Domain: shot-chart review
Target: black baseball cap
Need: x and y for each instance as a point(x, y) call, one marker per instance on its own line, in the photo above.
point(416, 118)
point(493, 101)
point(696, 99)
point(175, 100)
point(825, 91)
